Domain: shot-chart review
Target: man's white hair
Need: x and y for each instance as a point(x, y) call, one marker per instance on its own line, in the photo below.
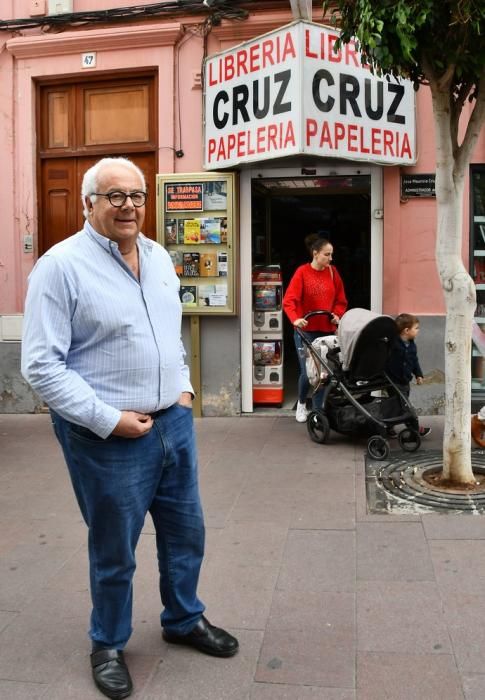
point(91, 177)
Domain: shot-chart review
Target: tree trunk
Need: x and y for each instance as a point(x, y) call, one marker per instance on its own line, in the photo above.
point(460, 300)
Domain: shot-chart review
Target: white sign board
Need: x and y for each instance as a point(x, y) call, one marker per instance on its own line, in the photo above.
point(252, 100)
point(288, 92)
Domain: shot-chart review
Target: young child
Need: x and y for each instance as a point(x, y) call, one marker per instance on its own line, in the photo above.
point(403, 363)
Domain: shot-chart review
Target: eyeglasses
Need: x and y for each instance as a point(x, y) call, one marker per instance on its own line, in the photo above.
point(118, 199)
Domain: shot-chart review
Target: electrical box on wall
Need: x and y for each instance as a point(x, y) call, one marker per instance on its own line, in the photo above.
point(59, 7)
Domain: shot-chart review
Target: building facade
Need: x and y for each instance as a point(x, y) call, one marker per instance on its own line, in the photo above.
point(79, 83)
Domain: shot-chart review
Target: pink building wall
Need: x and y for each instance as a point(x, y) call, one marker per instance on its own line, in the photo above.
point(410, 279)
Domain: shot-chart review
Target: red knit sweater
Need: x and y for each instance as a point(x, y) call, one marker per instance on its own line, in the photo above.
point(315, 290)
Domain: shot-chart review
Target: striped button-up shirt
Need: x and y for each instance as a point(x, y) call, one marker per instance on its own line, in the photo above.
point(97, 340)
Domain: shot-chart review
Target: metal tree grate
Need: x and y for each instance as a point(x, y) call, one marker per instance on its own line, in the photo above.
point(399, 485)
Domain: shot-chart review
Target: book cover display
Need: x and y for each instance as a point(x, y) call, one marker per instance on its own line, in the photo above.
point(195, 224)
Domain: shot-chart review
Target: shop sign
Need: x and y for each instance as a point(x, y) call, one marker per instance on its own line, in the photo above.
point(183, 196)
point(288, 92)
point(419, 185)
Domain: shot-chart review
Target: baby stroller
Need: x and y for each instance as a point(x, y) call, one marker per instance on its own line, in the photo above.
point(359, 398)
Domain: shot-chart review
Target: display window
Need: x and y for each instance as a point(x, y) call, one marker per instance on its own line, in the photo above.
point(196, 224)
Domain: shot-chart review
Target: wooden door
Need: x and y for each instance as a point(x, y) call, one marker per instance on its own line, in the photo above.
point(78, 125)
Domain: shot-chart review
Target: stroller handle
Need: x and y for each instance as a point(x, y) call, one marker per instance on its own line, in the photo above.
point(317, 313)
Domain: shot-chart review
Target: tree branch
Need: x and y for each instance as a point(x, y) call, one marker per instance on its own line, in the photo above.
point(473, 127)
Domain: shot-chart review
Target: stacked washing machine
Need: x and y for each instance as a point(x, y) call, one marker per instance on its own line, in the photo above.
point(267, 335)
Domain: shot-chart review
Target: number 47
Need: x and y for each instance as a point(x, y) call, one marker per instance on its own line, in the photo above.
point(88, 60)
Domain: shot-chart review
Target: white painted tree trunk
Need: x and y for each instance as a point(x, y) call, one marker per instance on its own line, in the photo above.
point(460, 300)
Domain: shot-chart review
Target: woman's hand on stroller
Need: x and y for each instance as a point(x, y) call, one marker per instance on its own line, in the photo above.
point(335, 319)
point(300, 323)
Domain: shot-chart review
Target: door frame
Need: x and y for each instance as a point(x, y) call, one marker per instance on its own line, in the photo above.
point(376, 253)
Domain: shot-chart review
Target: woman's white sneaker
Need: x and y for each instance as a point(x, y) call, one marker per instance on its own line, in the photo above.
point(301, 412)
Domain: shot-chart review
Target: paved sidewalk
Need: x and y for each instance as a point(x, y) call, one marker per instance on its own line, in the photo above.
point(329, 603)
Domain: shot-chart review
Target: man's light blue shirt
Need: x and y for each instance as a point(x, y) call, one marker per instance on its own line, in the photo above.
point(97, 340)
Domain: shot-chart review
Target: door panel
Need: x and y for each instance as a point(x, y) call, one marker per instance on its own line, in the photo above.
point(62, 212)
point(59, 208)
point(81, 122)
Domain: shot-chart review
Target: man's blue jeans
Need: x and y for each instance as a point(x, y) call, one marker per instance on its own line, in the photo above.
point(116, 482)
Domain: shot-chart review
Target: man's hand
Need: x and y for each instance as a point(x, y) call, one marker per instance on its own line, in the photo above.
point(185, 399)
point(133, 424)
point(419, 380)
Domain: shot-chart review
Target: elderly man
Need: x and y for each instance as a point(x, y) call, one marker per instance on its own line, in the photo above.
point(102, 347)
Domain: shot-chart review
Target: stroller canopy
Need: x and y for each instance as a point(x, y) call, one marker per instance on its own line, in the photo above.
point(365, 340)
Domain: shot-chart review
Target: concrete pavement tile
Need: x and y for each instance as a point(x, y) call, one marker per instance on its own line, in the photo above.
point(220, 488)
point(454, 527)
point(237, 594)
point(318, 561)
point(314, 515)
point(459, 565)
point(12, 532)
point(325, 501)
point(465, 617)
point(252, 426)
point(12, 690)
point(401, 617)
point(6, 618)
point(306, 657)
point(263, 504)
point(54, 529)
point(26, 569)
point(393, 552)
point(35, 650)
point(407, 677)
point(276, 691)
point(289, 454)
point(184, 673)
point(249, 543)
point(332, 614)
point(76, 682)
point(474, 686)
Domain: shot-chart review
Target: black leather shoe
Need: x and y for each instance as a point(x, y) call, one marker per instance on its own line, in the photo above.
point(111, 674)
point(206, 638)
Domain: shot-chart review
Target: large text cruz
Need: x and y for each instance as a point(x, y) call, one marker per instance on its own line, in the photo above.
point(253, 102)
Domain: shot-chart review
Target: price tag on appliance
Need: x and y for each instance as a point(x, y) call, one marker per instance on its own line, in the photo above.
point(88, 60)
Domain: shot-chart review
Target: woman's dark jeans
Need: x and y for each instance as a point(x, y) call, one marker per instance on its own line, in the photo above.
point(303, 383)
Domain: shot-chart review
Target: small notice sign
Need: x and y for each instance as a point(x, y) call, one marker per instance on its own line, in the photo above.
point(183, 196)
point(418, 185)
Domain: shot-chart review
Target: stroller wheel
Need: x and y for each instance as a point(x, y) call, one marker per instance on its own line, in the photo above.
point(318, 426)
point(409, 440)
point(378, 447)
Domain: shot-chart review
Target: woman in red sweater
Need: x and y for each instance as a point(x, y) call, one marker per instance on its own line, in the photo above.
point(314, 286)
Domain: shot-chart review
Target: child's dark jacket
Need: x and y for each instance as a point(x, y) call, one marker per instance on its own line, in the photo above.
point(402, 362)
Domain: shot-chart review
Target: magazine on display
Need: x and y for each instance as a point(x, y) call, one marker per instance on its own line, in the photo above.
point(188, 294)
point(191, 263)
point(170, 231)
point(212, 294)
point(191, 231)
point(211, 230)
point(208, 264)
point(177, 257)
point(222, 263)
point(215, 195)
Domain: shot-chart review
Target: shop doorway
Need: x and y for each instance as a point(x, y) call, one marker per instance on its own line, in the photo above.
point(284, 211)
